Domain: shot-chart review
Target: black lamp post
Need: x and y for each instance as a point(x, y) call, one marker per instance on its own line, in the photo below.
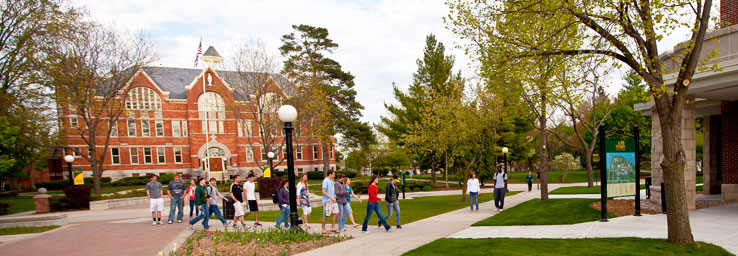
point(69, 159)
point(288, 114)
point(504, 152)
point(270, 155)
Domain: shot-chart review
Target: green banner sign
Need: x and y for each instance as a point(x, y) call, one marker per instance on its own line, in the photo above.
point(620, 166)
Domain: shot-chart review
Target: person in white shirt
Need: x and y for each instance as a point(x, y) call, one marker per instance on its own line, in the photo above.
point(250, 188)
point(500, 185)
point(472, 185)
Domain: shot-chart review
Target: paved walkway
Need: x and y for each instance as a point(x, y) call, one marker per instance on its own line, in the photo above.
point(717, 225)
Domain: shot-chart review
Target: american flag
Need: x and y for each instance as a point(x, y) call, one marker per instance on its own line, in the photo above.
point(199, 51)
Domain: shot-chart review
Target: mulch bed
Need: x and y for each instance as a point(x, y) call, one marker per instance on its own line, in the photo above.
point(622, 207)
point(207, 245)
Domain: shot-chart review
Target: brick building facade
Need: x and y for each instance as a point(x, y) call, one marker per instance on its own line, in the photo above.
point(163, 128)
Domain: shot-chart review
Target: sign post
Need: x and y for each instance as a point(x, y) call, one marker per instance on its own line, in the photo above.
point(636, 137)
point(603, 176)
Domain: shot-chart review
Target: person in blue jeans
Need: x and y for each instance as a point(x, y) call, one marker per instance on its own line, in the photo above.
point(213, 204)
point(284, 204)
point(201, 200)
point(373, 206)
point(391, 196)
point(472, 185)
point(343, 207)
point(175, 190)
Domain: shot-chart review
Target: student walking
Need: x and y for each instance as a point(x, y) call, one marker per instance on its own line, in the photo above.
point(304, 198)
point(391, 195)
point(156, 203)
point(472, 185)
point(250, 189)
point(341, 193)
point(237, 197)
point(201, 200)
point(500, 185)
point(190, 196)
point(213, 204)
point(529, 179)
point(372, 205)
point(175, 190)
point(350, 191)
point(329, 202)
point(284, 204)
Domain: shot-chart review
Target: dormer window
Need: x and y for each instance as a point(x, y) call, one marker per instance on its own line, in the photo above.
point(143, 98)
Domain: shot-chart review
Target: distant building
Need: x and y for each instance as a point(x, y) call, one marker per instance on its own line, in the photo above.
point(162, 130)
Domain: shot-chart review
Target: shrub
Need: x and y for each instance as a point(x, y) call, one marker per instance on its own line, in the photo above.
point(53, 185)
point(279, 174)
point(4, 206)
point(131, 181)
point(131, 193)
point(360, 187)
point(89, 180)
point(59, 203)
point(416, 189)
point(8, 194)
point(164, 179)
point(350, 174)
point(315, 175)
point(78, 196)
point(267, 186)
point(427, 188)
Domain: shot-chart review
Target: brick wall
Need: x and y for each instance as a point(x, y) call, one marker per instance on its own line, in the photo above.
point(729, 111)
point(729, 11)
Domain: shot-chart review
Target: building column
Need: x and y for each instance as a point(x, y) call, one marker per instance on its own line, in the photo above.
point(729, 150)
point(711, 156)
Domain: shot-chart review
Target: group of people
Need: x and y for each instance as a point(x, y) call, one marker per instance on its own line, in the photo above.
point(475, 191)
point(202, 197)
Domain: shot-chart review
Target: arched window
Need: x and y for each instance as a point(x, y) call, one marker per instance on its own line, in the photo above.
point(212, 105)
point(143, 98)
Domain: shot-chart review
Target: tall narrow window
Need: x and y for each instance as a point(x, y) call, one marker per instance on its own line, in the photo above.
point(147, 155)
point(175, 128)
point(247, 129)
point(89, 151)
point(315, 152)
point(115, 155)
point(134, 155)
point(298, 153)
point(145, 130)
point(131, 128)
point(143, 98)
point(74, 153)
point(73, 122)
point(331, 152)
point(160, 153)
point(114, 129)
point(249, 154)
point(184, 128)
point(240, 129)
point(178, 155)
point(264, 154)
point(159, 128)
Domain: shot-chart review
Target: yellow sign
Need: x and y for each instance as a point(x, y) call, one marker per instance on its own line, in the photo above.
point(267, 173)
point(78, 177)
point(620, 146)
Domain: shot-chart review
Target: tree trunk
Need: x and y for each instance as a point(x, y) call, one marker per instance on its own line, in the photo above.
point(433, 173)
point(445, 171)
point(96, 175)
point(542, 166)
point(590, 176)
point(677, 217)
point(326, 160)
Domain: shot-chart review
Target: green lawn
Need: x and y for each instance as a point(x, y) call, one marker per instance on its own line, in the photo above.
point(20, 204)
point(580, 190)
point(545, 212)
point(25, 230)
point(106, 190)
point(411, 209)
point(588, 246)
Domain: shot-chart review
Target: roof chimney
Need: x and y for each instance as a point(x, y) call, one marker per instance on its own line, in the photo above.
point(729, 12)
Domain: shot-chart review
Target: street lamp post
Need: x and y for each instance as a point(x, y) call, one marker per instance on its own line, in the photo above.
point(288, 114)
point(504, 152)
point(270, 155)
point(69, 159)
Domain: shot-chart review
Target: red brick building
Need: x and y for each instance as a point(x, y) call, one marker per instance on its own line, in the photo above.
point(162, 130)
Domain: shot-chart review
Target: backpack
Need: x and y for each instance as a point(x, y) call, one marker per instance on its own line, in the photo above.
point(275, 198)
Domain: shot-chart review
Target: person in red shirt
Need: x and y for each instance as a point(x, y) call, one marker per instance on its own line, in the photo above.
point(373, 206)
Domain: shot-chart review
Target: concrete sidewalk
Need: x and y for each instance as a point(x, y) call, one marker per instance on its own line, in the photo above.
point(716, 225)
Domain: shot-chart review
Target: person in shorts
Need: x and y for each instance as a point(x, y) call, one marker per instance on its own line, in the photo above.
point(303, 194)
point(250, 188)
point(237, 197)
point(156, 203)
point(329, 202)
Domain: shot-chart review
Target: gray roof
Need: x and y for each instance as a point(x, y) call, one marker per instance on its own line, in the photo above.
point(211, 52)
point(174, 80)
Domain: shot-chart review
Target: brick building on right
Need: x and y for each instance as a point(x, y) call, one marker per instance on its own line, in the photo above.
point(713, 97)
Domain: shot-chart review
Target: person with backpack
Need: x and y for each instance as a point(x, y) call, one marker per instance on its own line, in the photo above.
point(283, 201)
point(500, 186)
point(237, 197)
point(201, 200)
point(213, 203)
point(391, 195)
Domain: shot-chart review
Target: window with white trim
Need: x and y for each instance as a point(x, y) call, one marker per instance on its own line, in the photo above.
point(178, 155)
point(160, 155)
point(115, 155)
point(73, 122)
point(244, 129)
point(143, 98)
point(184, 128)
point(249, 154)
point(131, 128)
point(134, 155)
point(74, 152)
point(315, 152)
point(176, 132)
point(159, 124)
point(145, 129)
point(147, 156)
point(212, 106)
point(114, 129)
point(298, 152)
point(89, 151)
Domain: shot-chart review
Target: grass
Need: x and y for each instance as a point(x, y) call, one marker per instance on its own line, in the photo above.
point(411, 210)
point(20, 204)
point(580, 190)
point(545, 212)
point(105, 190)
point(25, 230)
point(588, 246)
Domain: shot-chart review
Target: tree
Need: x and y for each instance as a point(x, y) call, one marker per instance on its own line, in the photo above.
point(91, 71)
point(564, 163)
point(623, 116)
point(330, 105)
point(432, 77)
point(627, 32)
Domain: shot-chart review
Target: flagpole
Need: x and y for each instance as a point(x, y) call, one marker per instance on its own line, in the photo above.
point(206, 127)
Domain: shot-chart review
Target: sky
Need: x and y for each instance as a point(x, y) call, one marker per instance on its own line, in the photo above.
point(379, 40)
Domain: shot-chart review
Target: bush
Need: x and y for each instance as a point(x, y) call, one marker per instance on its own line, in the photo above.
point(131, 181)
point(315, 175)
point(360, 187)
point(78, 196)
point(131, 193)
point(416, 189)
point(53, 185)
point(427, 188)
point(8, 194)
point(412, 184)
point(350, 174)
point(267, 186)
point(102, 180)
point(279, 174)
point(4, 206)
point(59, 203)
